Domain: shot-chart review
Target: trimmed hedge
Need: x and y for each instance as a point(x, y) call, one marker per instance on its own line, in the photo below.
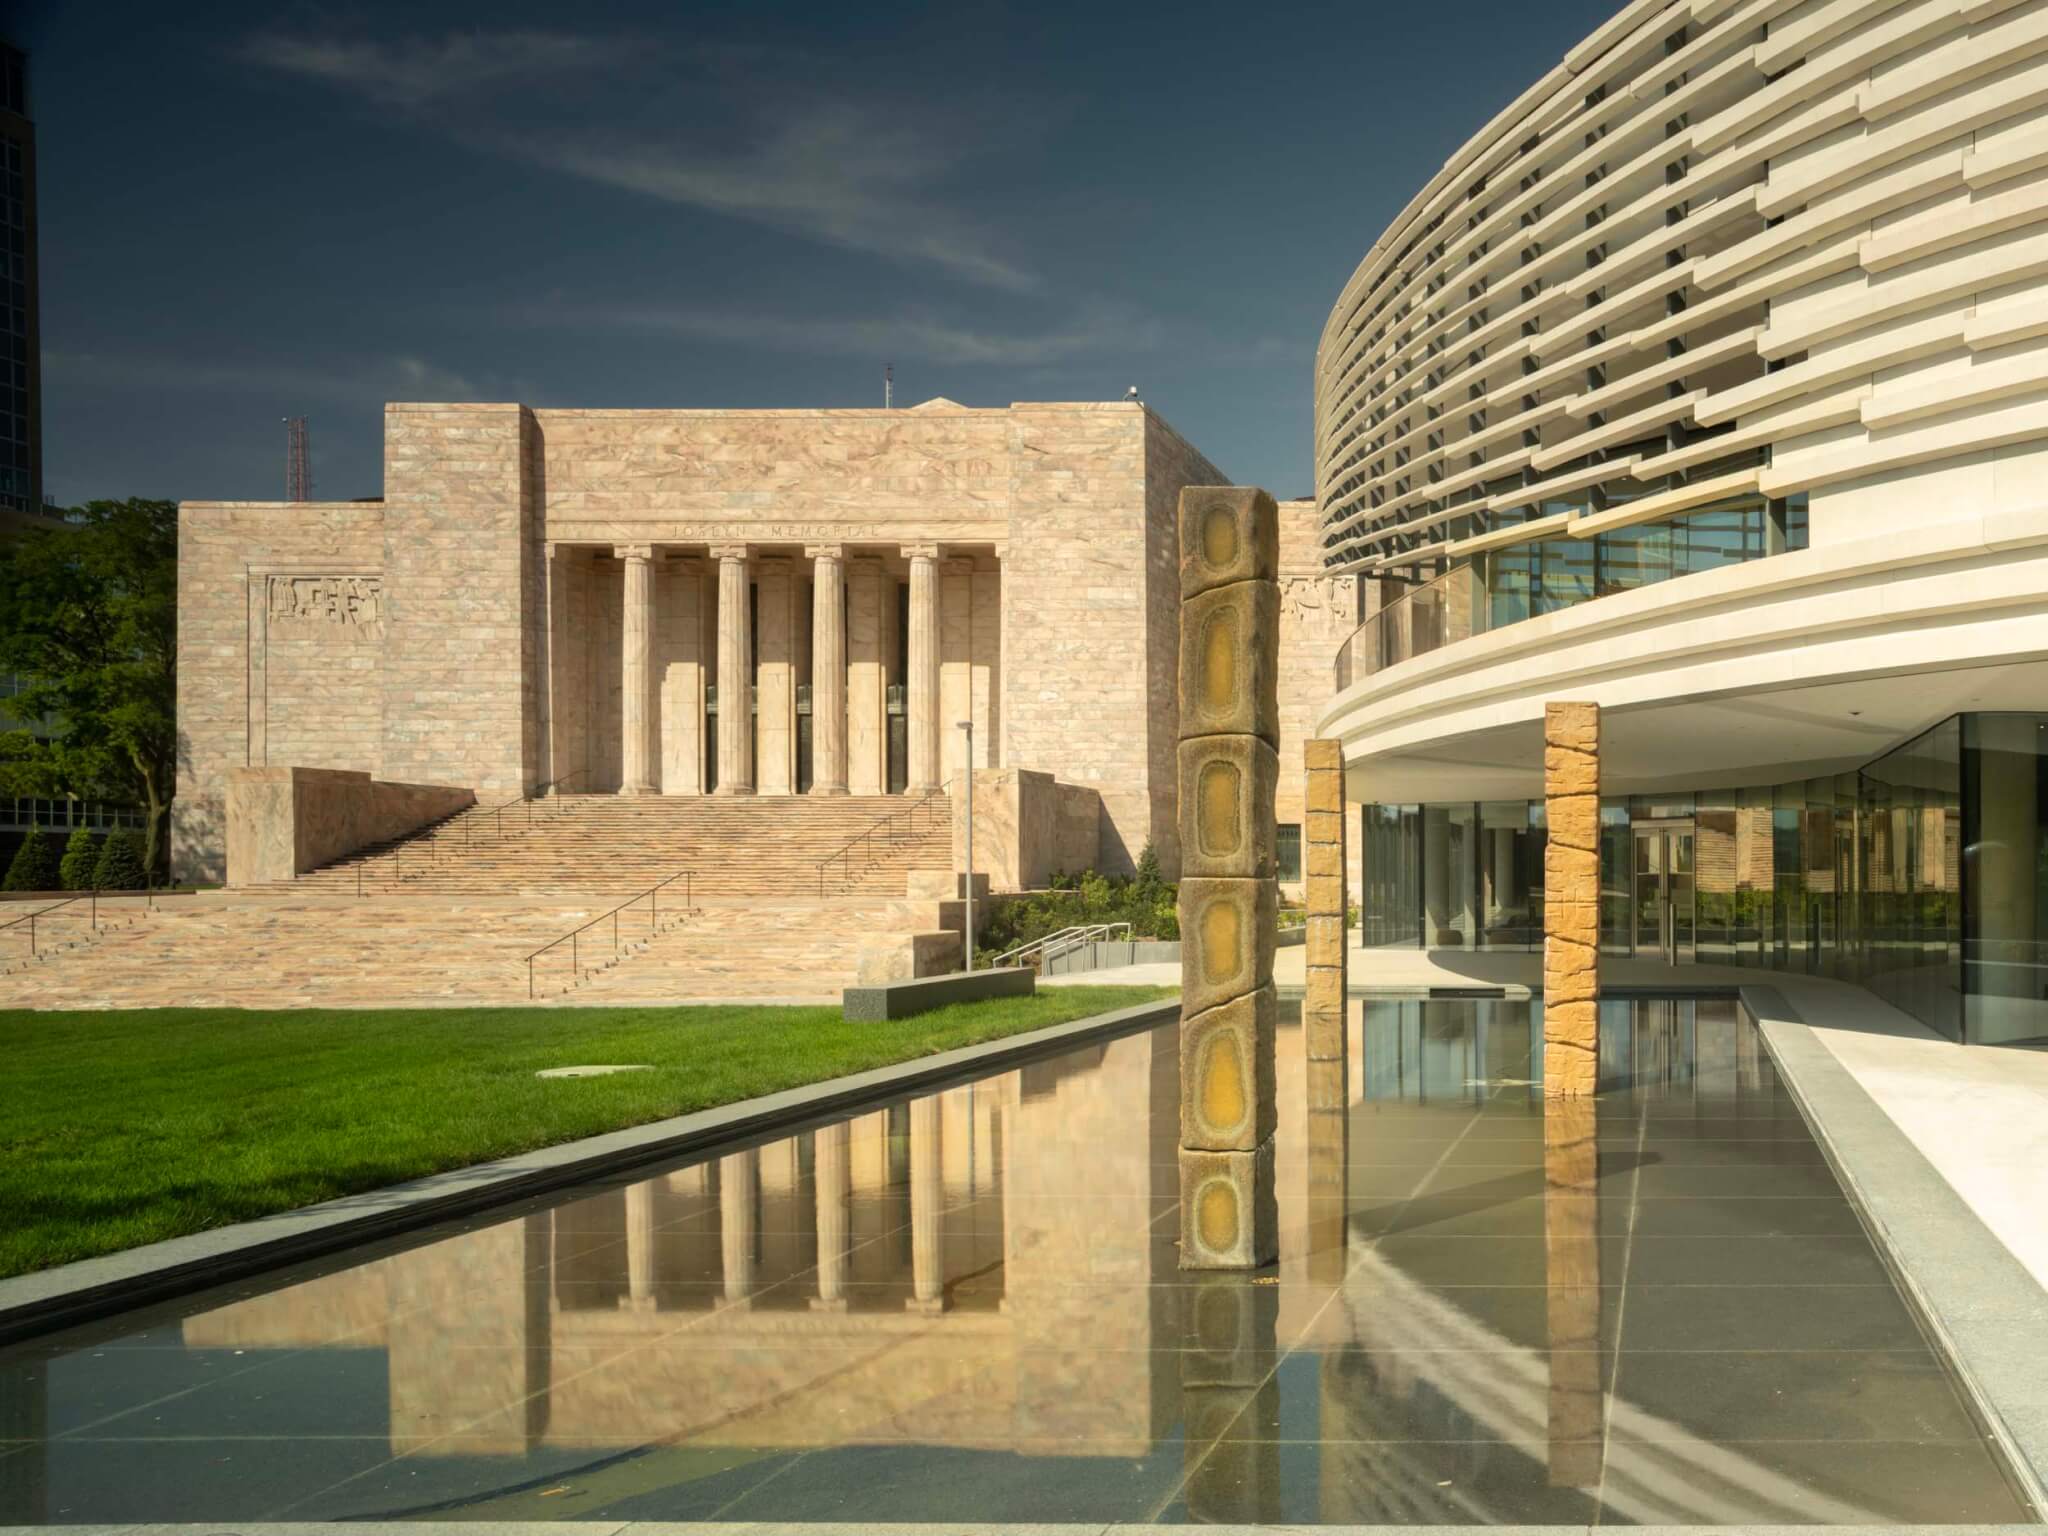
point(120, 866)
point(81, 860)
point(36, 865)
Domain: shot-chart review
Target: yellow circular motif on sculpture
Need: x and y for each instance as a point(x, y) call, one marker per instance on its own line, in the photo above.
point(1222, 1082)
point(1219, 662)
point(1216, 1215)
point(1222, 932)
point(1219, 537)
point(1216, 807)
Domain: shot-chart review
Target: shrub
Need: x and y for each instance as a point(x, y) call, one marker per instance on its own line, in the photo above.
point(35, 866)
point(120, 867)
point(1144, 900)
point(81, 859)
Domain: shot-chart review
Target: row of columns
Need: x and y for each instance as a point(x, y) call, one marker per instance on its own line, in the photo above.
point(739, 1187)
point(830, 745)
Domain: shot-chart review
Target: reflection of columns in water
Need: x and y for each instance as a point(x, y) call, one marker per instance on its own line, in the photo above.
point(927, 1192)
point(832, 1173)
point(1571, 1245)
point(921, 693)
point(738, 1189)
point(640, 1245)
point(735, 674)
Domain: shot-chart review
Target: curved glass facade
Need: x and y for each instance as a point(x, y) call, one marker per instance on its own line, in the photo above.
point(1922, 876)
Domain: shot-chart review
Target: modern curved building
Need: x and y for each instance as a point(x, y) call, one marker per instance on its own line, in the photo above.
point(1709, 382)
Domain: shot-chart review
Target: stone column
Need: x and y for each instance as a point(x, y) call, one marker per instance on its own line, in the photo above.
point(1229, 723)
point(927, 1196)
point(636, 672)
point(739, 1182)
point(1571, 1249)
point(640, 1245)
point(1571, 900)
point(775, 673)
point(1325, 1007)
point(921, 687)
point(867, 698)
point(956, 667)
point(735, 674)
point(828, 669)
point(833, 1176)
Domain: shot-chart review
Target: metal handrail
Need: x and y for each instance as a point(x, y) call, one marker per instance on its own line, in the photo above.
point(865, 840)
point(1066, 939)
point(651, 896)
point(467, 815)
point(147, 893)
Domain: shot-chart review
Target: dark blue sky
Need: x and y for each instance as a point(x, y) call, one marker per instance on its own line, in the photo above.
point(249, 213)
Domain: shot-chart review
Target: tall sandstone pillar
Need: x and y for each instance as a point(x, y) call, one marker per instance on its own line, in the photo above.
point(1571, 900)
point(1324, 1021)
point(1228, 772)
point(1571, 1252)
point(735, 674)
point(922, 693)
point(828, 669)
point(636, 672)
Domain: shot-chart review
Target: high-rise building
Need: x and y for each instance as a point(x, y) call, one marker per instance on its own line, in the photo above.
point(21, 412)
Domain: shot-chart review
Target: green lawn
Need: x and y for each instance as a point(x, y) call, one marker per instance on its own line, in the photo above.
point(128, 1127)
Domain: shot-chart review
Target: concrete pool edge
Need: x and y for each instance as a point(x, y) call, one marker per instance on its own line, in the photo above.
point(50, 1300)
point(1980, 1304)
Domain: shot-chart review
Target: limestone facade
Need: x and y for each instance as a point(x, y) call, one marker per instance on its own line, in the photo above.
point(1319, 610)
point(554, 597)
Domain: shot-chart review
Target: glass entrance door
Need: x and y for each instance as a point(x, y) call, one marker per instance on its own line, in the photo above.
point(1664, 892)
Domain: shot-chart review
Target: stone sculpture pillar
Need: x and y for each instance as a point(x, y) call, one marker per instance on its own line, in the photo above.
point(1571, 900)
point(828, 669)
point(735, 674)
point(1229, 724)
point(832, 1173)
point(921, 693)
point(636, 672)
point(927, 1198)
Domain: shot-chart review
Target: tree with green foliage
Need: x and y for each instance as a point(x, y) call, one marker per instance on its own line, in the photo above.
point(122, 865)
point(81, 860)
point(35, 864)
point(88, 622)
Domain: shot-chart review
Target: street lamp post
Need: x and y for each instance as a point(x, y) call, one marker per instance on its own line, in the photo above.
point(967, 883)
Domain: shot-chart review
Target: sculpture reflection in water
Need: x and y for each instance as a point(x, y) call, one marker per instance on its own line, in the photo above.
point(969, 1306)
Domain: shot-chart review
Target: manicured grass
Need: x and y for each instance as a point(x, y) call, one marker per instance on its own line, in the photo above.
point(127, 1127)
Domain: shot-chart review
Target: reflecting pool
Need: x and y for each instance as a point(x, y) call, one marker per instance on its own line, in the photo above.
point(1653, 1307)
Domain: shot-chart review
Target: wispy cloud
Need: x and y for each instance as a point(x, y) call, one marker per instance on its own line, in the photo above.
point(905, 336)
point(776, 141)
point(290, 385)
point(419, 71)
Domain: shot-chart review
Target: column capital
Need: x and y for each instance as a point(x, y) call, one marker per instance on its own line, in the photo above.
point(723, 552)
point(824, 551)
point(919, 551)
point(633, 551)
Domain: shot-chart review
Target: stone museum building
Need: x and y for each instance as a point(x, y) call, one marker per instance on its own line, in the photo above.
point(727, 603)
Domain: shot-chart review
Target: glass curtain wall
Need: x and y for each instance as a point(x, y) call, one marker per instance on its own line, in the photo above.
point(2005, 877)
point(1923, 876)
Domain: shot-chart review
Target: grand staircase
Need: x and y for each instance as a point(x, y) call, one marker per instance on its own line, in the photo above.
point(609, 844)
point(451, 915)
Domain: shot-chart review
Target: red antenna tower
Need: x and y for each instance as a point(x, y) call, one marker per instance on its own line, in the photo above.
point(298, 468)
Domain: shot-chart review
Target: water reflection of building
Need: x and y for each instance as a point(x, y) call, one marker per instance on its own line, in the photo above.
point(906, 1275)
point(990, 1269)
